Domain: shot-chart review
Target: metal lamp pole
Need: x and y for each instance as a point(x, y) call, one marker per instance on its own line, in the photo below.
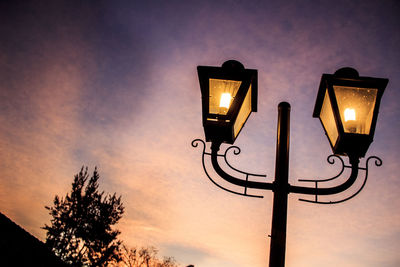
point(280, 189)
point(221, 127)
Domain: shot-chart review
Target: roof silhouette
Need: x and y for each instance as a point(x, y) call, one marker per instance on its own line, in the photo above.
point(20, 248)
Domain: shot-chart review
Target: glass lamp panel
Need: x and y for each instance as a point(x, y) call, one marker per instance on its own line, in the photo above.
point(356, 108)
point(328, 119)
point(243, 114)
point(222, 93)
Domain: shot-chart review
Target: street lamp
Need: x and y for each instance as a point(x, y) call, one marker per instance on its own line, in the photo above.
point(347, 106)
point(229, 95)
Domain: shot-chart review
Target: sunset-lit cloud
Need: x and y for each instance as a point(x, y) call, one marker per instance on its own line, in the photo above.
point(114, 85)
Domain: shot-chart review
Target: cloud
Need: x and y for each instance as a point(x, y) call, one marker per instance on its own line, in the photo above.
point(115, 86)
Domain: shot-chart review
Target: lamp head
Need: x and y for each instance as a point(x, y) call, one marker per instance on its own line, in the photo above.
point(229, 95)
point(347, 106)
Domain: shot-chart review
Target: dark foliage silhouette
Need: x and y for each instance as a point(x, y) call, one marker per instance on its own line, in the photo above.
point(81, 226)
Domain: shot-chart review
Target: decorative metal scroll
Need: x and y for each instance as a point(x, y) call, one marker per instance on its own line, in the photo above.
point(236, 151)
point(331, 160)
point(295, 189)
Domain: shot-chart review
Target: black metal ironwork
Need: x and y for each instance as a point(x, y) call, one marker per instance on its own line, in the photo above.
point(316, 191)
point(222, 128)
point(281, 186)
point(347, 142)
point(331, 160)
point(236, 151)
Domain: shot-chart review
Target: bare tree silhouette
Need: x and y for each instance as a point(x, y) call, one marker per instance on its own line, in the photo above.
point(144, 257)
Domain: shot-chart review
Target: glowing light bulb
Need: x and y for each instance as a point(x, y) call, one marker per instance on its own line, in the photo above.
point(349, 114)
point(225, 100)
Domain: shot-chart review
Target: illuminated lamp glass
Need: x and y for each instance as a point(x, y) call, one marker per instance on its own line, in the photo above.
point(229, 95)
point(347, 106)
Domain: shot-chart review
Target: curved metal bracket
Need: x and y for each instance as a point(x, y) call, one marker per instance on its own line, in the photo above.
point(331, 160)
point(316, 191)
point(236, 151)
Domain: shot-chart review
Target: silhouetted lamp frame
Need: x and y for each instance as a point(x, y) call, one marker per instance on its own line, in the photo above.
point(221, 127)
point(353, 135)
point(348, 143)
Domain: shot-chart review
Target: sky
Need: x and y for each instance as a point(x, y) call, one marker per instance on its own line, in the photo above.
point(113, 84)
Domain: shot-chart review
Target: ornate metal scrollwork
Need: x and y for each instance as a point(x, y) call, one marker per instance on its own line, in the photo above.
point(331, 160)
point(317, 190)
point(236, 151)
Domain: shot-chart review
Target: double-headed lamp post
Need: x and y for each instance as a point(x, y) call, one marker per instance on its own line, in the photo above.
point(347, 106)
